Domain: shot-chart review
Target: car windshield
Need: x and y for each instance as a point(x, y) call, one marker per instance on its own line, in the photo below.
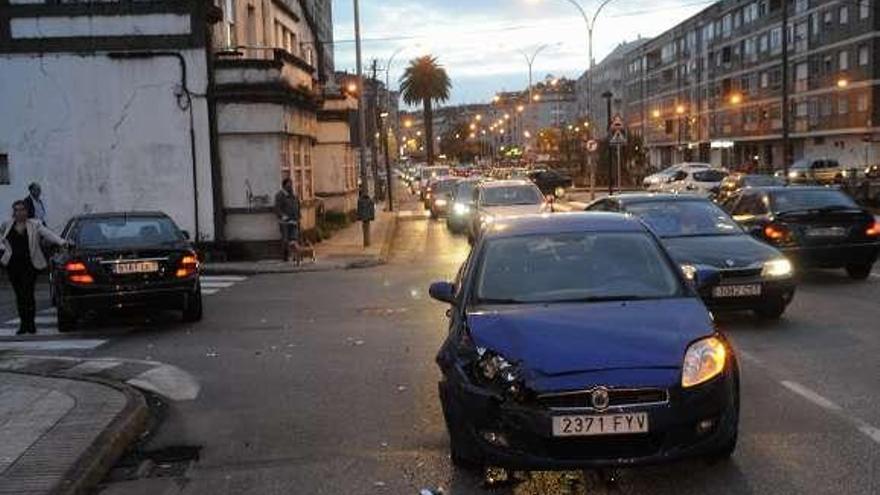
point(430, 173)
point(762, 180)
point(464, 190)
point(709, 176)
point(579, 266)
point(511, 195)
point(685, 218)
point(112, 232)
point(810, 199)
point(444, 186)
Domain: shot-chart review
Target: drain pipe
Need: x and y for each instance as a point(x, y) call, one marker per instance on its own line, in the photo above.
point(192, 133)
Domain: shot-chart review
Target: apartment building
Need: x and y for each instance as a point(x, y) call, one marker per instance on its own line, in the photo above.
point(710, 88)
point(608, 76)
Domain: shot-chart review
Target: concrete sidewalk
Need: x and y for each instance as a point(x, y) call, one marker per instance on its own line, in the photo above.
point(342, 251)
point(59, 435)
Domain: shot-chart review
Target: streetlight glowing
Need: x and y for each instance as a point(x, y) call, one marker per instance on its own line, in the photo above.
point(527, 134)
point(656, 114)
point(586, 125)
point(679, 109)
point(506, 116)
point(554, 82)
point(842, 83)
point(472, 126)
point(736, 99)
point(352, 87)
point(520, 108)
point(419, 133)
point(537, 97)
point(478, 117)
point(496, 99)
point(407, 123)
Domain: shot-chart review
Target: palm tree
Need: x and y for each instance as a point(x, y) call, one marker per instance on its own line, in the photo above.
point(425, 81)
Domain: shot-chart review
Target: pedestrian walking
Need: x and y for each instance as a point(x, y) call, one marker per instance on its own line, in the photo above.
point(34, 203)
point(21, 255)
point(287, 209)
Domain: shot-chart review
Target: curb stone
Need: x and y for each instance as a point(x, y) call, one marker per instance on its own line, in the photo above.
point(109, 445)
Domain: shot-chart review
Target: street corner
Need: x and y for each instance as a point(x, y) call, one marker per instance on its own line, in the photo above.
point(62, 434)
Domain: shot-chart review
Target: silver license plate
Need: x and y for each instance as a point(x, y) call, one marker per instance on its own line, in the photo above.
point(136, 267)
point(748, 290)
point(826, 232)
point(605, 424)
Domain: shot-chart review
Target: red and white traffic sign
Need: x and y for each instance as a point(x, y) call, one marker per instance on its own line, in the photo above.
point(617, 123)
point(592, 145)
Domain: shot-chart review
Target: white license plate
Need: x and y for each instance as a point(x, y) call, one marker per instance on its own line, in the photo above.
point(606, 424)
point(749, 290)
point(136, 267)
point(826, 232)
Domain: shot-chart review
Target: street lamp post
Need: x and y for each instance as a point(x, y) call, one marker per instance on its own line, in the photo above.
point(362, 119)
point(385, 126)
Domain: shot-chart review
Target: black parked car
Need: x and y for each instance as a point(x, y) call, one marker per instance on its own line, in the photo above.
point(551, 182)
point(814, 226)
point(698, 233)
point(124, 260)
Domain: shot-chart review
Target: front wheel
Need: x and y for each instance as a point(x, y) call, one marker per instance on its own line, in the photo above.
point(192, 309)
point(772, 310)
point(859, 271)
point(66, 319)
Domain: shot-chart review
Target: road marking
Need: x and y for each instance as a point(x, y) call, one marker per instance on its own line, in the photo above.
point(864, 427)
point(216, 285)
point(224, 278)
point(52, 345)
point(39, 320)
point(811, 396)
point(209, 292)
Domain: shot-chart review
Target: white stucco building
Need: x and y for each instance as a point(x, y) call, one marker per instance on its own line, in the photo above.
point(196, 110)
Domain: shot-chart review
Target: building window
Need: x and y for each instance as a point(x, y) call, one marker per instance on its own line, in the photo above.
point(864, 9)
point(843, 57)
point(5, 179)
point(843, 16)
point(842, 105)
point(814, 23)
point(863, 55)
point(828, 18)
point(765, 80)
point(862, 103)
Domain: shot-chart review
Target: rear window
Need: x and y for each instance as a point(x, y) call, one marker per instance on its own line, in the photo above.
point(808, 199)
point(762, 180)
point(100, 233)
point(464, 190)
point(444, 186)
point(709, 176)
point(430, 173)
point(511, 195)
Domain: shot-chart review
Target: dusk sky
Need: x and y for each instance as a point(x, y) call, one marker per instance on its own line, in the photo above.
point(480, 41)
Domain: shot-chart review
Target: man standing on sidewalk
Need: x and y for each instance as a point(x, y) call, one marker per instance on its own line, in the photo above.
point(287, 210)
point(35, 207)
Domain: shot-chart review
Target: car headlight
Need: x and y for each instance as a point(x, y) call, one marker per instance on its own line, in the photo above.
point(777, 268)
point(440, 202)
point(689, 271)
point(792, 175)
point(499, 372)
point(461, 209)
point(703, 361)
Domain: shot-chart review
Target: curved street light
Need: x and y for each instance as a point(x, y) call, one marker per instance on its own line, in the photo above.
point(530, 61)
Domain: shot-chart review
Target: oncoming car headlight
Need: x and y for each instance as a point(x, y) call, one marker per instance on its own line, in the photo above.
point(777, 268)
point(439, 202)
point(703, 361)
point(460, 209)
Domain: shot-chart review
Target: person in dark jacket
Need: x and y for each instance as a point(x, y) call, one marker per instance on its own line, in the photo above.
point(23, 258)
point(34, 204)
point(287, 209)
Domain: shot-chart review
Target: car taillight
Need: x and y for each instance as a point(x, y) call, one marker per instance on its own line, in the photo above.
point(775, 232)
point(78, 273)
point(873, 229)
point(189, 266)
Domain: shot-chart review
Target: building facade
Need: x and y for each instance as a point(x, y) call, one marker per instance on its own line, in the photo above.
point(195, 109)
point(711, 88)
point(608, 76)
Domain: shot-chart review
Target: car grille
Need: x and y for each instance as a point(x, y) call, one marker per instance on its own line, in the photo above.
point(616, 398)
point(737, 273)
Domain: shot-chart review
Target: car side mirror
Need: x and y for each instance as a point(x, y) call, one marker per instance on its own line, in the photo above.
point(706, 276)
point(185, 234)
point(443, 292)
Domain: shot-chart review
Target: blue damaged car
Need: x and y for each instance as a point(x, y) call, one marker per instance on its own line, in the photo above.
point(574, 342)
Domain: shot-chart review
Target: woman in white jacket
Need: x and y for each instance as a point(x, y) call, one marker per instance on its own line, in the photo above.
point(23, 258)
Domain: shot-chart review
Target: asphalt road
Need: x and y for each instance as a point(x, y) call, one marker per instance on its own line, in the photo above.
point(325, 383)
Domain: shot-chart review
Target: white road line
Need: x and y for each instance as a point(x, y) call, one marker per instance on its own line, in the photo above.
point(52, 345)
point(43, 330)
point(865, 428)
point(216, 285)
point(92, 367)
point(223, 278)
point(208, 292)
point(39, 320)
point(49, 311)
point(811, 396)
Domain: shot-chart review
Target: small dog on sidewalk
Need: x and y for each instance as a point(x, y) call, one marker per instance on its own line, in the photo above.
point(300, 251)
